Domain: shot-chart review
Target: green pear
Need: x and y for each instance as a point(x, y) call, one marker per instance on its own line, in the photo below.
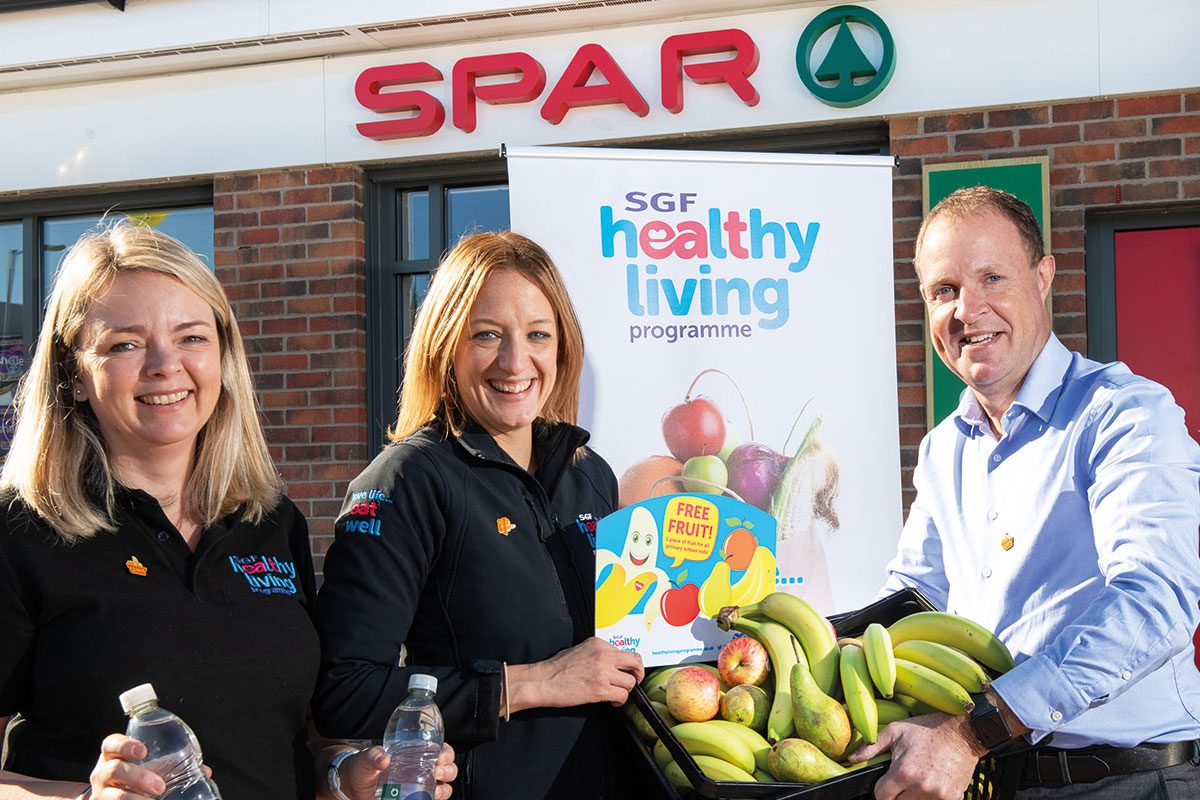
point(642, 726)
point(819, 718)
point(746, 705)
point(799, 761)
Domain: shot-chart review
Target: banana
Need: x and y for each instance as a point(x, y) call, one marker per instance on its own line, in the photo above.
point(810, 629)
point(758, 579)
point(957, 632)
point(912, 705)
point(702, 739)
point(784, 652)
point(931, 687)
point(881, 661)
point(720, 770)
point(715, 592)
point(955, 665)
point(675, 775)
point(753, 739)
point(890, 711)
point(655, 685)
point(762, 776)
point(662, 756)
point(860, 697)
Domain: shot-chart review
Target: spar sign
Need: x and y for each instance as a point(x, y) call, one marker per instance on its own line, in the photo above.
point(738, 316)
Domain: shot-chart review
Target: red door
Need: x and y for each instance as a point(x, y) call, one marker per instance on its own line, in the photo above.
point(1157, 277)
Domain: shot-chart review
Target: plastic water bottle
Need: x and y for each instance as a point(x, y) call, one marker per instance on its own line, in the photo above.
point(413, 739)
point(171, 748)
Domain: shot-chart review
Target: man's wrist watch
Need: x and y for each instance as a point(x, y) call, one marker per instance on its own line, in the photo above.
point(991, 729)
point(334, 778)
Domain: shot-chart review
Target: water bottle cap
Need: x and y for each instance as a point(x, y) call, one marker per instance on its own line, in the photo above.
point(136, 696)
point(427, 682)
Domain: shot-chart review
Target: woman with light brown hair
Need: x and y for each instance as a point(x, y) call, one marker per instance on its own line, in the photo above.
point(466, 549)
point(144, 538)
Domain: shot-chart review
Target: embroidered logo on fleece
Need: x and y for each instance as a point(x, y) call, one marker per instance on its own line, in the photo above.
point(363, 516)
point(266, 574)
point(587, 526)
point(505, 525)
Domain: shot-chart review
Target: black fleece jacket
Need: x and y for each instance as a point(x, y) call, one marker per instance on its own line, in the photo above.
point(447, 546)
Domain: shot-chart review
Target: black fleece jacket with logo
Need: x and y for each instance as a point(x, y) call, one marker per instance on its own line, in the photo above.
point(448, 547)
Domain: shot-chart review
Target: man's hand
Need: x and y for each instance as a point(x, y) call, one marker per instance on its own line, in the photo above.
point(933, 756)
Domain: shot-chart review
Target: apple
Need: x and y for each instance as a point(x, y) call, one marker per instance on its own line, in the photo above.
point(743, 661)
point(693, 695)
point(694, 428)
point(746, 705)
point(754, 472)
point(710, 470)
point(680, 605)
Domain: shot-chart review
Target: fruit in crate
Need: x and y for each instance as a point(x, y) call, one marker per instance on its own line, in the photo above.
point(783, 651)
point(746, 705)
point(954, 631)
point(811, 630)
point(693, 694)
point(642, 726)
point(743, 660)
point(655, 684)
point(799, 761)
point(818, 718)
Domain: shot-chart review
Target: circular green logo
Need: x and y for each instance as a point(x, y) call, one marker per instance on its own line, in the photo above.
point(838, 80)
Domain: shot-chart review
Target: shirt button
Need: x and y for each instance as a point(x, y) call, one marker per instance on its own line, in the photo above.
point(996, 458)
point(1126, 674)
point(992, 515)
point(1056, 716)
point(162, 536)
point(987, 573)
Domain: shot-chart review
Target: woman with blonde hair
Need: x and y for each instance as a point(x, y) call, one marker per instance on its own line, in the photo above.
point(466, 548)
point(144, 538)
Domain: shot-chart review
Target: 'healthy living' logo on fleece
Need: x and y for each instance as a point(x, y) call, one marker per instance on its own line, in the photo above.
point(266, 574)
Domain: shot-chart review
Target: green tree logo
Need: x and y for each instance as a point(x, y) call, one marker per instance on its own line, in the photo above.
point(845, 77)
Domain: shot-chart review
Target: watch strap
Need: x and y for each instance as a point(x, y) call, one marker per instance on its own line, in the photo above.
point(990, 726)
point(334, 777)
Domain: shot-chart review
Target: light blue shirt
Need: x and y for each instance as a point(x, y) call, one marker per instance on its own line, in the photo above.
point(1095, 488)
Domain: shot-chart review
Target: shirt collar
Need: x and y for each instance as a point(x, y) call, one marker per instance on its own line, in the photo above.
point(1038, 393)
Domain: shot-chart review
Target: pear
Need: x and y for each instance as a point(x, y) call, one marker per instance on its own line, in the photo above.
point(798, 761)
point(819, 718)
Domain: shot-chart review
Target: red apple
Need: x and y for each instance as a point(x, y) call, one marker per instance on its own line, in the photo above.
point(743, 661)
point(693, 695)
point(694, 428)
point(680, 605)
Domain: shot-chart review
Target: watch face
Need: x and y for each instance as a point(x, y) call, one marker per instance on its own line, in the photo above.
point(990, 728)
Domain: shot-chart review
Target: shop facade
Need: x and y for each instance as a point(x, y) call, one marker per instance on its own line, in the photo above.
point(328, 157)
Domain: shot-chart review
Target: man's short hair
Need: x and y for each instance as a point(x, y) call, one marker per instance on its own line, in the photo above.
point(965, 203)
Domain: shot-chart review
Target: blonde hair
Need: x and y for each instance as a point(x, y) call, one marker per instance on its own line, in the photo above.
point(429, 391)
point(58, 464)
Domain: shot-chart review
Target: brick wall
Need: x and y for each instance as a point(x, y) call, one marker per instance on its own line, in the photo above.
point(1118, 154)
point(290, 253)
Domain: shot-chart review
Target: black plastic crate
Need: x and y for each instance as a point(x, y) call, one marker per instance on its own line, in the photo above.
point(995, 778)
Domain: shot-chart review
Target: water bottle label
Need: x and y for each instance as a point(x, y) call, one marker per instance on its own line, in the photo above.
point(398, 791)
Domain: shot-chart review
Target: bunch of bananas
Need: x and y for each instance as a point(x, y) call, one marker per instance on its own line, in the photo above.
point(832, 695)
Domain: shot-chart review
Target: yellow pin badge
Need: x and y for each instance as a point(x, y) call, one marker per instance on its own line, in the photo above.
point(136, 567)
point(1007, 542)
point(505, 526)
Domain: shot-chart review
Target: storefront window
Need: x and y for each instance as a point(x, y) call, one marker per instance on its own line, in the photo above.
point(475, 209)
point(12, 345)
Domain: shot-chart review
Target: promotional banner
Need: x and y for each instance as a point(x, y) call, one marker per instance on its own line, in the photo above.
point(666, 566)
point(738, 315)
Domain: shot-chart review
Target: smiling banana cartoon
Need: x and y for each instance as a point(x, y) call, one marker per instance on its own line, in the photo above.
point(633, 573)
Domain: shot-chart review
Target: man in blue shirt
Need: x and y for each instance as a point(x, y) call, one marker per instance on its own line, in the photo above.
point(1059, 506)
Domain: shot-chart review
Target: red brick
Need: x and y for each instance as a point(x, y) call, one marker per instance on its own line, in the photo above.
point(1070, 260)
point(318, 269)
point(902, 126)
point(921, 146)
point(308, 305)
point(283, 216)
point(1084, 152)
point(1064, 176)
point(272, 180)
point(286, 288)
point(283, 400)
point(1055, 134)
point(307, 452)
point(250, 236)
point(259, 309)
point(1117, 171)
point(332, 211)
point(987, 140)
point(352, 414)
point(334, 286)
point(336, 433)
point(312, 489)
point(1163, 190)
point(1075, 112)
point(293, 474)
point(335, 322)
point(1114, 129)
point(350, 452)
point(1142, 106)
point(906, 208)
point(1065, 281)
point(1023, 117)
point(1187, 123)
point(257, 199)
point(341, 473)
point(906, 187)
point(347, 229)
point(1191, 101)
point(308, 194)
point(1085, 196)
point(953, 122)
point(911, 395)
point(1175, 168)
point(1066, 239)
point(285, 325)
point(314, 341)
point(240, 291)
point(306, 380)
point(346, 192)
point(282, 252)
point(321, 175)
point(260, 272)
point(237, 219)
point(285, 361)
point(1151, 148)
point(1070, 324)
point(1191, 189)
point(910, 373)
point(1191, 146)
point(342, 249)
point(910, 311)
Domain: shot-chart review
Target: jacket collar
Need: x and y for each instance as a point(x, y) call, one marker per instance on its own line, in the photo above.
point(554, 445)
